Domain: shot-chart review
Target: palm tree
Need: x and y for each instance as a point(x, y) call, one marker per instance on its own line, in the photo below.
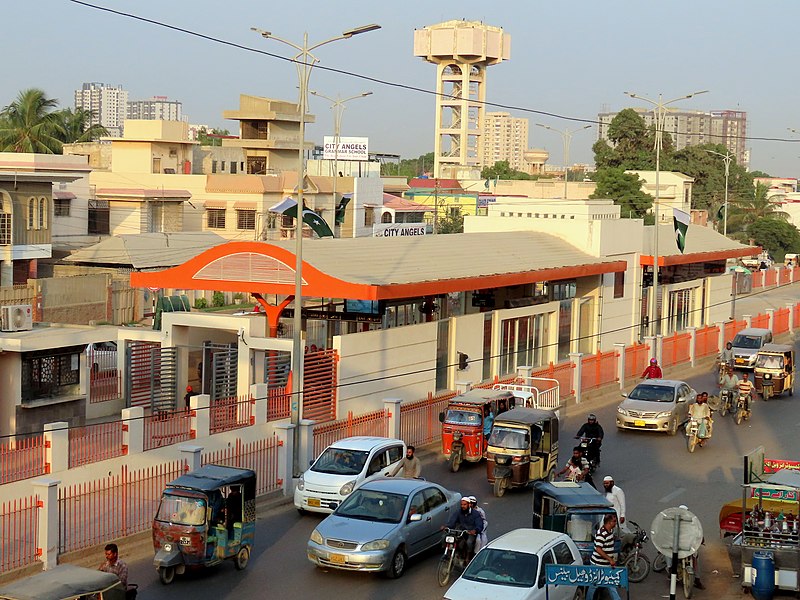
point(78, 127)
point(30, 124)
point(746, 211)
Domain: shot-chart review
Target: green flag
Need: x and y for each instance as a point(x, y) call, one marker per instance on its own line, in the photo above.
point(681, 220)
point(288, 207)
point(721, 212)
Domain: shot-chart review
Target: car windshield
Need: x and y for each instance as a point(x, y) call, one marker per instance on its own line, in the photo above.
point(581, 527)
point(340, 461)
point(503, 567)
point(747, 342)
point(511, 438)
point(181, 510)
point(769, 361)
point(373, 505)
point(652, 393)
point(458, 416)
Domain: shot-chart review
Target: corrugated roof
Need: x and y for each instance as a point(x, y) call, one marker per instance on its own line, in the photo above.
point(403, 205)
point(421, 183)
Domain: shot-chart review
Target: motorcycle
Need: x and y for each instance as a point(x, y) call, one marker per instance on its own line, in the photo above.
point(455, 555)
point(693, 433)
point(591, 450)
point(632, 555)
point(742, 409)
point(685, 572)
point(726, 402)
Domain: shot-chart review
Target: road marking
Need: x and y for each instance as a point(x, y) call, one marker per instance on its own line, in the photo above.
point(673, 495)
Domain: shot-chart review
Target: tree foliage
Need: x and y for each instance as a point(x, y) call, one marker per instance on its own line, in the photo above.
point(632, 145)
point(77, 126)
point(31, 124)
point(452, 222)
point(502, 170)
point(208, 138)
point(625, 189)
point(744, 211)
point(409, 167)
point(776, 236)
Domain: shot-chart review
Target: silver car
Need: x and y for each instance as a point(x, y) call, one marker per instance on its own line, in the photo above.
point(656, 405)
point(381, 524)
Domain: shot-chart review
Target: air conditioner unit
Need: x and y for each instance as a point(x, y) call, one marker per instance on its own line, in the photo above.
point(18, 317)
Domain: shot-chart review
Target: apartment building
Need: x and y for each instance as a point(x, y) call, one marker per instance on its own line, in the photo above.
point(108, 104)
point(504, 138)
point(157, 108)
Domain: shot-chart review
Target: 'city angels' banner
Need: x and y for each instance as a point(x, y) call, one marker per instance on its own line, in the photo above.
point(397, 229)
point(350, 148)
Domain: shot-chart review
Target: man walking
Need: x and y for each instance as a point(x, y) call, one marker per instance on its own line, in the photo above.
point(603, 554)
point(616, 496)
point(410, 465)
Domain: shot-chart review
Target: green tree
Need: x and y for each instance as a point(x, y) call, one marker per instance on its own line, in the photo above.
point(632, 144)
point(206, 138)
point(502, 170)
point(624, 189)
point(77, 126)
point(745, 211)
point(708, 171)
point(409, 167)
point(452, 222)
point(31, 124)
point(776, 236)
point(755, 174)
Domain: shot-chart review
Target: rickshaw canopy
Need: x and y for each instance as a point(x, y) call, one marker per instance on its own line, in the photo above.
point(775, 349)
point(479, 396)
point(572, 494)
point(211, 477)
point(526, 416)
point(64, 582)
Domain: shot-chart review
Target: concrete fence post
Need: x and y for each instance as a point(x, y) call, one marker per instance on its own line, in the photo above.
point(286, 456)
point(577, 374)
point(392, 406)
point(192, 455)
point(655, 350)
point(721, 338)
point(525, 372)
point(791, 315)
point(260, 393)
point(56, 443)
point(201, 419)
point(692, 345)
point(133, 438)
point(305, 452)
point(462, 387)
point(620, 349)
point(748, 320)
point(658, 349)
point(46, 489)
point(770, 319)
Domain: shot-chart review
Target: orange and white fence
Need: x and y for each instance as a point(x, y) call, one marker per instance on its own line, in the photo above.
point(94, 443)
point(599, 369)
point(232, 413)
point(374, 423)
point(19, 532)
point(261, 456)
point(167, 428)
point(21, 459)
point(419, 421)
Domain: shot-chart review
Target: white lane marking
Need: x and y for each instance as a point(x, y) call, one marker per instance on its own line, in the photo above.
point(672, 495)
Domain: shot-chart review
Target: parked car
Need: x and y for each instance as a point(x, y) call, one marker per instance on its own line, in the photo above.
point(512, 566)
point(656, 405)
point(342, 467)
point(382, 524)
point(746, 345)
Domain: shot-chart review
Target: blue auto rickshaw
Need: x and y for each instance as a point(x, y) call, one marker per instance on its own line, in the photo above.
point(203, 518)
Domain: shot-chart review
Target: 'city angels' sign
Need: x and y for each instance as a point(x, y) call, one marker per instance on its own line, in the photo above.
point(350, 148)
point(398, 229)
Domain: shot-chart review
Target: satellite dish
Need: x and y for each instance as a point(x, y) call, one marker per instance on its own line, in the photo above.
point(662, 532)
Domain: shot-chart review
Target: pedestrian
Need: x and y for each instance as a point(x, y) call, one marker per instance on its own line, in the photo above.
point(616, 496)
point(603, 554)
point(114, 565)
point(188, 396)
point(410, 465)
point(481, 539)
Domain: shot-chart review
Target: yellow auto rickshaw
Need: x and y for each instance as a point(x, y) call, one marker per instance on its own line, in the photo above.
point(774, 370)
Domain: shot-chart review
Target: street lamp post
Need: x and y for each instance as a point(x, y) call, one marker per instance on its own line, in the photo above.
point(726, 158)
point(304, 62)
point(660, 117)
point(566, 138)
point(338, 106)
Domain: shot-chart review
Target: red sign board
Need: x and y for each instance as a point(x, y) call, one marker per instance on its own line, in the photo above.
point(773, 465)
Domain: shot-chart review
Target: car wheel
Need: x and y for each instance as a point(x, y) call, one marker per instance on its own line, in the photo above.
point(398, 565)
point(673, 428)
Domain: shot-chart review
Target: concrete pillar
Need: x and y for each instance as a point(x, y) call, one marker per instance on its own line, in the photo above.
point(721, 340)
point(748, 320)
point(577, 374)
point(620, 350)
point(692, 345)
point(790, 306)
point(56, 441)
point(133, 433)
point(305, 452)
point(260, 392)
point(286, 456)
point(193, 455)
point(201, 417)
point(46, 489)
point(655, 346)
point(392, 406)
point(462, 387)
point(770, 318)
point(524, 372)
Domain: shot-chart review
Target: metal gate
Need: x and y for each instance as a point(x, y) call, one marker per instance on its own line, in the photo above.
point(220, 370)
point(152, 380)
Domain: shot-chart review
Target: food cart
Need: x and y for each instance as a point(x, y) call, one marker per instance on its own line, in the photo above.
point(776, 533)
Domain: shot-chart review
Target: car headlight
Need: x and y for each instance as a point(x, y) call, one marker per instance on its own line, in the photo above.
point(316, 537)
point(767, 376)
point(301, 483)
point(167, 547)
point(622, 411)
point(347, 488)
point(375, 545)
point(664, 415)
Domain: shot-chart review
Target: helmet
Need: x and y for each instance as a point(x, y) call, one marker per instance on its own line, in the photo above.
point(653, 361)
point(592, 417)
point(189, 388)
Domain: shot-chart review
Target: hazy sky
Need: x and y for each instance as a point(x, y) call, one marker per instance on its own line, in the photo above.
point(574, 59)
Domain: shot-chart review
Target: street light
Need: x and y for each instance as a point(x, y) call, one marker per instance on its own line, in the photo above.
point(304, 61)
point(726, 158)
point(566, 137)
point(660, 116)
point(338, 106)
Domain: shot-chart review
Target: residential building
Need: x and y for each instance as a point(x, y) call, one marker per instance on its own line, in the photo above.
point(675, 191)
point(157, 108)
point(504, 138)
point(108, 104)
point(695, 127)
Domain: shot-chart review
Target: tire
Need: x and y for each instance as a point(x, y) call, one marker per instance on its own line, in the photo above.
point(688, 583)
point(166, 575)
point(499, 486)
point(691, 443)
point(766, 394)
point(445, 569)
point(455, 461)
point(551, 474)
point(673, 429)
point(580, 594)
point(723, 408)
point(638, 567)
point(738, 417)
point(398, 565)
point(302, 512)
point(242, 558)
point(659, 563)
point(791, 390)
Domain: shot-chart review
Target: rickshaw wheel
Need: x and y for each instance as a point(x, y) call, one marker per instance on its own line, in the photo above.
point(242, 558)
point(166, 575)
point(551, 474)
point(499, 486)
point(455, 462)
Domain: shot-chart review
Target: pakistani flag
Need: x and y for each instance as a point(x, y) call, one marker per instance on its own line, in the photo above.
point(288, 207)
point(721, 213)
point(681, 220)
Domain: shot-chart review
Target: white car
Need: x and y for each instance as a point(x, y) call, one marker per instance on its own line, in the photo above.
point(512, 567)
point(343, 466)
point(102, 357)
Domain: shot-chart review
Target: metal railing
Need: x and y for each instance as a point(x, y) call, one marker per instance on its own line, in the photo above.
point(231, 413)
point(94, 443)
point(21, 459)
point(167, 428)
point(19, 532)
point(373, 423)
point(261, 456)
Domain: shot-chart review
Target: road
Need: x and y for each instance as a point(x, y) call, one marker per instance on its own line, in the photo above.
point(654, 470)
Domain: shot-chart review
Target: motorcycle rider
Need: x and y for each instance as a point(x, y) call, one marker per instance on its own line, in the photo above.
point(468, 520)
point(729, 382)
point(726, 356)
point(482, 539)
point(701, 412)
point(653, 371)
point(577, 465)
point(746, 390)
point(593, 431)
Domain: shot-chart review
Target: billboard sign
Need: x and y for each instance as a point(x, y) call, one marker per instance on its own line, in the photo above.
point(398, 229)
point(350, 148)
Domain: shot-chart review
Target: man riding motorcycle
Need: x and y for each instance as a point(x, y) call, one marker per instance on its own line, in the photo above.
point(746, 389)
point(594, 433)
point(469, 520)
point(726, 356)
point(701, 412)
point(729, 383)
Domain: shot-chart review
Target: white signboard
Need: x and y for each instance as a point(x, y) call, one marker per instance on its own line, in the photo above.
point(350, 148)
point(397, 229)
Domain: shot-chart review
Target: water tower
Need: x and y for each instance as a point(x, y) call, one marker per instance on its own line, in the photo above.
point(461, 51)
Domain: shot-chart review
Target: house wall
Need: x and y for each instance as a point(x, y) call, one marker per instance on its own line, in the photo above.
point(718, 298)
point(11, 382)
point(21, 235)
point(124, 218)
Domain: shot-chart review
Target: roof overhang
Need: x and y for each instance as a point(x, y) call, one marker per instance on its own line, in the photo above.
point(699, 257)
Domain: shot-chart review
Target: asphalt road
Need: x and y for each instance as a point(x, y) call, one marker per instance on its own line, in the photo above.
point(654, 470)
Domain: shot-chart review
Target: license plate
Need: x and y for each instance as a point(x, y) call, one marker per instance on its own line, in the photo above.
point(313, 502)
point(639, 424)
point(337, 558)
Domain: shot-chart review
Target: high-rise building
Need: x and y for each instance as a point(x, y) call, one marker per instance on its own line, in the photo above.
point(504, 138)
point(108, 104)
point(157, 108)
point(695, 127)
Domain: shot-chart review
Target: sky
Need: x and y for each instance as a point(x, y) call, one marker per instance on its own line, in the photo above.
point(569, 59)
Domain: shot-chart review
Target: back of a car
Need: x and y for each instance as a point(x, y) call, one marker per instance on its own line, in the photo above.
point(746, 345)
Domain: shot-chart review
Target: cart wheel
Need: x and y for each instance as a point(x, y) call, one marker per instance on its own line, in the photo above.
point(242, 558)
point(166, 575)
point(691, 443)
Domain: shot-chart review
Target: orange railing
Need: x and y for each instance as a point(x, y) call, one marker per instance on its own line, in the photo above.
point(785, 276)
point(636, 359)
point(419, 421)
point(758, 279)
point(599, 369)
point(19, 526)
point(94, 443)
point(760, 320)
point(374, 423)
point(231, 413)
point(731, 329)
point(278, 406)
point(561, 372)
point(261, 456)
point(21, 459)
point(167, 428)
point(706, 341)
point(770, 277)
point(319, 385)
point(780, 321)
point(675, 349)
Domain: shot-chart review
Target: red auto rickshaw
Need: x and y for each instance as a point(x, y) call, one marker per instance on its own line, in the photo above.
point(464, 420)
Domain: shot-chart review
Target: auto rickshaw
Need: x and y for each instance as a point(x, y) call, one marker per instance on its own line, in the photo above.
point(203, 518)
point(574, 508)
point(464, 420)
point(523, 447)
point(66, 582)
point(774, 370)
